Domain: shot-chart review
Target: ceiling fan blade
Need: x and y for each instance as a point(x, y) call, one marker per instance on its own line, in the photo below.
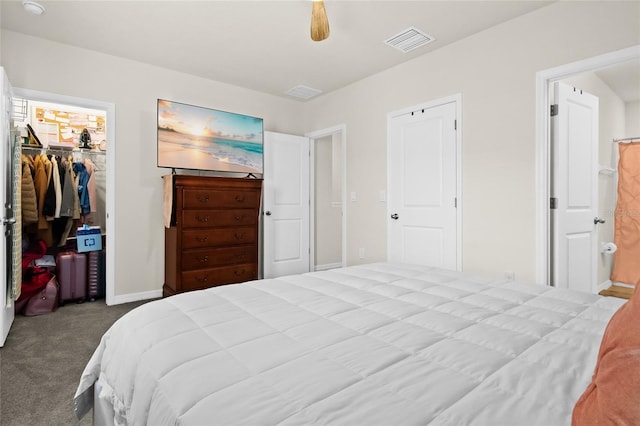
point(319, 21)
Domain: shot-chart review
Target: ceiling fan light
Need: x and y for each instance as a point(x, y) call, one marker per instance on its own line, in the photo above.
point(319, 22)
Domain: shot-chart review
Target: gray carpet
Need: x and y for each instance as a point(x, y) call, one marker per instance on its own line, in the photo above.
point(43, 358)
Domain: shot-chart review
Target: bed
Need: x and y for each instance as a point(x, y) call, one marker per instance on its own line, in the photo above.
point(375, 344)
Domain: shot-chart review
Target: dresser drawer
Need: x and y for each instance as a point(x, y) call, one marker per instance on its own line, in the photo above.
point(212, 237)
point(207, 258)
point(194, 280)
point(210, 198)
point(212, 218)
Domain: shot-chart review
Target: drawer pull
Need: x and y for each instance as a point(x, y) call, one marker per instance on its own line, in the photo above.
point(202, 279)
point(202, 239)
point(239, 198)
point(241, 256)
point(203, 198)
point(239, 218)
point(202, 219)
point(240, 236)
point(203, 259)
point(239, 272)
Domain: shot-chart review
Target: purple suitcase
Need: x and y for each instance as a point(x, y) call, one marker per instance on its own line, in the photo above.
point(96, 278)
point(72, 276)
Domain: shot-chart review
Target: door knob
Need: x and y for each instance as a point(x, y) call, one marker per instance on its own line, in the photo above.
point(395, 216)
point(597, 220)
point(267, 213)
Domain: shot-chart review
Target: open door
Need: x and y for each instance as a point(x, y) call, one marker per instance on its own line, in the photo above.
point(574, 189)
point(285, 205)
point(10, 249)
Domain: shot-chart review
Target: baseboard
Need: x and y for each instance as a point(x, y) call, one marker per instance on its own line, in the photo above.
point(328, 266)
point(603, 286)
point(616, 283)
point(134, 297)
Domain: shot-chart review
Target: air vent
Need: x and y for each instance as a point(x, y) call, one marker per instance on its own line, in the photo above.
point(303, 92)
point(409, 39)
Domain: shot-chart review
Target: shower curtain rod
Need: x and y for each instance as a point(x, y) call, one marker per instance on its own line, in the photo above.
point(626, 140)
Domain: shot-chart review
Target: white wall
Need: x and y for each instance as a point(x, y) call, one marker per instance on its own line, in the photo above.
point(134, 87)
point(495, 73)
point(633, 121)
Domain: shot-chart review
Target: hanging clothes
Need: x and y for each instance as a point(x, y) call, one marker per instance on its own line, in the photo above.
point(626, 234)
point(68, 189)
point(49, 208)
point(57, 186)
point(41, 184)
point(82, 179)
point(29, 200)
point(42, 178)
point(91, 185)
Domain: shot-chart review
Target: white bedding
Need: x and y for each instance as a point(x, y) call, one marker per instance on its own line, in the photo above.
point(377, 344)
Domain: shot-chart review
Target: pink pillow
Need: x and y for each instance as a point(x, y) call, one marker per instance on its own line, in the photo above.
point(613, 397)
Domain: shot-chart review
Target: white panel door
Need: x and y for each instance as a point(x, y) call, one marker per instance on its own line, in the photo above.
point(8, 188)
point(574, 187)
point(422, 180)
point(286, 205)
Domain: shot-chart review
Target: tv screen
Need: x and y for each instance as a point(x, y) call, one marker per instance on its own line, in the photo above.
point(198, 138)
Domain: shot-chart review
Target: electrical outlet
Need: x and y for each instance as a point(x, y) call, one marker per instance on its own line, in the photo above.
point(510, 275)
point(361, 252)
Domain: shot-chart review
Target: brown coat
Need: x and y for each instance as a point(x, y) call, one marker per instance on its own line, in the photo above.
point(43, 173)
point(28, 201)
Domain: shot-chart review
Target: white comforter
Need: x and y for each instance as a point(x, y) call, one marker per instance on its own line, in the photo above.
point(377, 344)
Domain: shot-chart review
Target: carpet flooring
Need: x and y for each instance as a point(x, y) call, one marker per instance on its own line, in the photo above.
point(43, 358)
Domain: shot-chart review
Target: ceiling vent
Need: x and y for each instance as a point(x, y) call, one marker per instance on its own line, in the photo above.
point(409, 39)
point(303, 92)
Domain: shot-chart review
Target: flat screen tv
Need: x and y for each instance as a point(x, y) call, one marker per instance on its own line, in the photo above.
point(198, 138)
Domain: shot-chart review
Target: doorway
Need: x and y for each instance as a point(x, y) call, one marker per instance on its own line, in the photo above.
point(328, 185)
point(545, 256)
point(107, 155)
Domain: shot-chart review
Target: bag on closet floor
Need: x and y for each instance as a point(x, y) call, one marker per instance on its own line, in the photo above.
point(45, 301)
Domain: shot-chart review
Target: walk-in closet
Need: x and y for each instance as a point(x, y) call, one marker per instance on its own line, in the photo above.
point(62, 203)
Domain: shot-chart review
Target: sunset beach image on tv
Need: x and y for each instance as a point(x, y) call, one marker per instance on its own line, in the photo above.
point(198, 138)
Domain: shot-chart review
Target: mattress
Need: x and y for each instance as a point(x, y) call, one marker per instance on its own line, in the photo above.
point(375, 344)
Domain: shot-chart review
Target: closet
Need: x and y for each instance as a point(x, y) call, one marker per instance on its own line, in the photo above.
point(63, 184)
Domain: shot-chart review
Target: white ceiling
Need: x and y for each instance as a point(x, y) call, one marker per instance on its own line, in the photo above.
point(265, 45)
point(262, 45)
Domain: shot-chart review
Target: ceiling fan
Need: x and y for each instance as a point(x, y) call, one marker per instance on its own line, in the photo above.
point(319, 21)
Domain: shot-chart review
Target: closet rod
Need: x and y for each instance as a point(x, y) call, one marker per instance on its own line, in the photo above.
point(42, 150)
point(626, 140)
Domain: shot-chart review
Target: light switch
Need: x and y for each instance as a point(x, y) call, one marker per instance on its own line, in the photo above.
point(353, 196)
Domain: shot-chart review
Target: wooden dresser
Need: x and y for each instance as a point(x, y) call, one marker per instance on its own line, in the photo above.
point(214, 237)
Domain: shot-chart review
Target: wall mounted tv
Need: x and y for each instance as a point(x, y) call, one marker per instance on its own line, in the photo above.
point(198, 138)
